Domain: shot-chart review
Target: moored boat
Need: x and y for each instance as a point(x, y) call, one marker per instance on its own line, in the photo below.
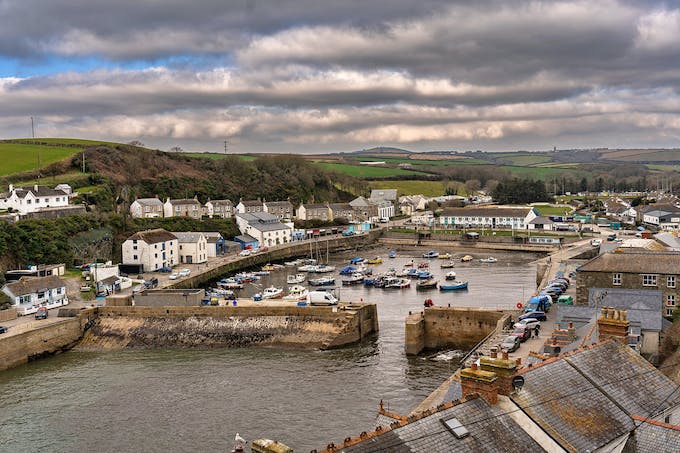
point(430, 283)
point(356, 260)
point(294, 279)
point(431, 254)
point(451, 275)
point(296, 292)
point(423, 275)
point(454, 286)
point(447, 265)
point(423, 265)
point(322, 281)
point(348, 270)
point(410, 263)
point(490, 259)
point(376, 260)
point(230, 283)
point(321, 269)
point(445, 256)
point(272, 292)
point(353, 279)
point(467, 258)
point(393, 254)
point(397, 283)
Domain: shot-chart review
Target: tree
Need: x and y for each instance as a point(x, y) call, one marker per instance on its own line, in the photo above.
point(176, 149)
point(136, 143)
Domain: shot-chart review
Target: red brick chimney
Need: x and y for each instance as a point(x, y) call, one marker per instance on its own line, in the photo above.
point(484, 383)
point(613, 323)
point(504, 368)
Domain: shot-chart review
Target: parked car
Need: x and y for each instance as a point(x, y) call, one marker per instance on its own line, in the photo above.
point(523, 333)
point(511, 344)
point(151, 283)
point(531, 323)
point(166, 269)
point(244, 253)
point(3, 329)
point(41, 313)
point(173, 276)
point(596, 242)
point(540, 315)
point(565, 300)
point(184, 272)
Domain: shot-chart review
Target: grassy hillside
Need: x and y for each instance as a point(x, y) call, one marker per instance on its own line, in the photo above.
point(366, 171)
point(407, 187)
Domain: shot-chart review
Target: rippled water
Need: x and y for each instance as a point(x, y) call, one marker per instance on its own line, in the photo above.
point(195, 400)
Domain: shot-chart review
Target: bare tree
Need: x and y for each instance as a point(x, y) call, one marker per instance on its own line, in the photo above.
point(176, 149)
point(136, 143)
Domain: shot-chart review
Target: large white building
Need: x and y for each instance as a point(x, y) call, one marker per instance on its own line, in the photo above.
point(265, 227)
point(34, 199)
point(146, 208)
point(516, 218)
point(29, 293)
point(193, 247)
point(151, 250)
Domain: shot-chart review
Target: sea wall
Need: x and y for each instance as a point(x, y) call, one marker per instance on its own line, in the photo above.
point(184, 327)
point(443, 327)
point(19, 347)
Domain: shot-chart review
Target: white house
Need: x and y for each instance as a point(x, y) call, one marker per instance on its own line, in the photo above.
point(193, 247)
point(385, 209)
point(424, 218)
point(266, 228)
point(516, 218)
point(249, 206)
point(185, 207)
point(663, 219)
point(146, 208)
point(29, 293)
point(222, 209)
point(151, 250)
point(541, 223)
point(310, 211)
point(33, 199)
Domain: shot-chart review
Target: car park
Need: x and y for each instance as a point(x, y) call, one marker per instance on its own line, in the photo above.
point(41, 313)
point(523, 333)
point(511, 344)
point(540, 315)
point(184, 273)
point(531, 323)
point(173, 276)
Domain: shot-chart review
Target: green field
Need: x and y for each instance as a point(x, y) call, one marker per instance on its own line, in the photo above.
point(19, 157)
point(526, 160)
point(366, 171)
point(414, 162)
point(662, 167)
point(548, 210)
point(543, 173)
point(407, 187)
point(64, 141)
point(67, 178)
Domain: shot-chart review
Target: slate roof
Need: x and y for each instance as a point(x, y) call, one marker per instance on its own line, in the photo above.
point(152, 236)
point(246, 238)
point(279, 204)
point(315, 206)
point(42, 191)
point(668, 239)
point(490, 431)
point(635, 262)
point(30, 285)
point(358, 202)
point(149, 201)
point(181, 201)
point(633, 382)
point(655, 436)
point(213, 236)
point(486, 212)
point(383, 194)
point(570, 408)
point(541, 220)
point(251, 202)
point(340, 207)
point(188, 237)
point(221, 202)
point(643, 305)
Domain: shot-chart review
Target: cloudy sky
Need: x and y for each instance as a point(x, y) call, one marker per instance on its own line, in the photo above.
point(314, 76)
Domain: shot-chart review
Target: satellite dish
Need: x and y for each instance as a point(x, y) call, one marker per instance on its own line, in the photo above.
point(518, 383)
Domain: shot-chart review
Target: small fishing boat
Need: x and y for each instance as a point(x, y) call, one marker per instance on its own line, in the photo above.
point(423, 275)
point(220, 292)
point(321, 269)
point(230, 283)
point(423, 265)
point(272, 293)
point(431, 254)
point(322, 281)
point(412, 273)
point(293, 263)
point(271, 267)
point(371, 280)
point(454, 286)
point(490, 259)
point(356, 260)
point(467, 258)
point(305, 267)
point(447, 265)
point(296, 292)
point(353, 279)
point(295, 279)
point(445, 256)
point(451, 275)
point(404, 272)
point(261, 273)
point(430, 283)
point(410, 263)
point(397, 283)
point(393, 254)
point(376, 260)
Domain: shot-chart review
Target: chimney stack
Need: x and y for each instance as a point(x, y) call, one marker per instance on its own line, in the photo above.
point(613, 324)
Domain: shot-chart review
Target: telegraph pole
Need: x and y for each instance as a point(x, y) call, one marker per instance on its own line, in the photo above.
point(226, 145)
point(32, 128)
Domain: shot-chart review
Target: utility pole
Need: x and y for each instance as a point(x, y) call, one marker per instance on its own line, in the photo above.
point(32, 128)
point(226, 145)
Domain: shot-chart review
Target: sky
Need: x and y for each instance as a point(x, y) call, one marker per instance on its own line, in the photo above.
point(311, 76)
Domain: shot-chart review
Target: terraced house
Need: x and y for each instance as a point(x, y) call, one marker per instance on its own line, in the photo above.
point(222, 209)
point(146, 208)
point(150, 250)
point(185, 207)
point(33, 199)
point(488, 217)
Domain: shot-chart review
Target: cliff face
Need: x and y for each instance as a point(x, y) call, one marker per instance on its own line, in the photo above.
point(110, 333)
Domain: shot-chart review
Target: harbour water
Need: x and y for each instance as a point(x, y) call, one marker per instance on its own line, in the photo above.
point(196, 400)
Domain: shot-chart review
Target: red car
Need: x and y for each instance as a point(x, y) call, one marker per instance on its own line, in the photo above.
point(524, 333)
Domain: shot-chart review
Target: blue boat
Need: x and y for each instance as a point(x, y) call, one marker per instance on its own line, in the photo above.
point(356, 260)
point(348, 270)
point(424, 275)
point(413, 273)
point(322, 281)
point(454, 286)
point(431, 254)
point(393, 254)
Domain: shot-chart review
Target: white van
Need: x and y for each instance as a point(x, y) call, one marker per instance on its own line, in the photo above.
point(321, 298)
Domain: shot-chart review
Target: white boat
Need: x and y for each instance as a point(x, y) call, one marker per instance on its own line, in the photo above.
point(321, 269)
point(295, 279)
point(447, 265)
point(451, 275)
point(445, 256)
point(306, 267)
point(297, 292)
point(490, 259)
point(272, 293)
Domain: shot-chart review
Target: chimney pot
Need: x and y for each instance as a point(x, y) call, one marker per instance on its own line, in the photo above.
point(35, 187)
point(473, 366)
point(624, 315)
point(571, 325)
point(494, 354)
point(505, 355)
point(518, 361)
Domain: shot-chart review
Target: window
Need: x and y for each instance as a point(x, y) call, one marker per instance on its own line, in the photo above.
point(134, 247)
point(670, 300)
point(41, 295)
point(134, 257)
point(669, 311)
point(25, 299)
point(648, 280)
point(670, 281)
point(58, 290)
point(616, 279)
